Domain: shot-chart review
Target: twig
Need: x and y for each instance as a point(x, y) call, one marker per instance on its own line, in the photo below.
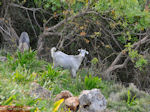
point(31, 23)
point(25, 8)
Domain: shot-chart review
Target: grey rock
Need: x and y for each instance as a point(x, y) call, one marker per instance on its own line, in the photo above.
point(92, 101)
point(38, 91)
point(3, 58)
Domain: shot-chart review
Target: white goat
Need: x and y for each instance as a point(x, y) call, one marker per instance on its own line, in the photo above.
point(71, 62)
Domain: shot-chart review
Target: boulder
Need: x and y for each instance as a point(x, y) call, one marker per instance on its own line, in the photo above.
point(38, 91)
point(72, 103)
point(92, 101)
point(64, 94)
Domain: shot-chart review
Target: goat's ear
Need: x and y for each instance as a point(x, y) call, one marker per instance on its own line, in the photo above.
point(87, 52)
point(79, 50)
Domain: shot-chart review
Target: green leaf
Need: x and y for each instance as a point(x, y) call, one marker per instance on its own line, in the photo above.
point(9, 100)
point(54, 8)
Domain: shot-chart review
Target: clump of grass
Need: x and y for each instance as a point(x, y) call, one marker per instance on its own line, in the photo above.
point(22, 75)
point(28, 60)
point(128, 99)
point(92, 82)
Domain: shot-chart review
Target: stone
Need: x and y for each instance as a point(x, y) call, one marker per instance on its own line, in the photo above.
point(72, 103)
point(38, 91)
point(92, 101)
point(12, 108)
point(63, 94)
point(3, 58)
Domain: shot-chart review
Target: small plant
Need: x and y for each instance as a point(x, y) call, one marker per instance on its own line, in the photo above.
point(141, 62)
point(57, 105)
point(27, 59)
point(49, 76)
point(94, 61)
point(9, 100)
point(21, 75)
point(50, 73)
point(92, 82)
point(131, 102)
point(136, 58)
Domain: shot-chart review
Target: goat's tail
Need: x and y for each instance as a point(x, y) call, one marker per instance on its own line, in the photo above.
point(53, 49)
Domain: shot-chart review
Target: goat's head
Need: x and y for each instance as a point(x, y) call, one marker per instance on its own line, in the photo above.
point(83, 52)
point(53, 49)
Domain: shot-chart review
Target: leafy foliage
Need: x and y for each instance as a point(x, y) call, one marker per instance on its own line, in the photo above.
point(130, 16)
point(59, 5)
point(48, 77)
point(92, 82)
point(138, 59)
point(131, 101)
point(57, 105)
point(9, 100)
point(130, 10)
point(20, 75)
point(27, 60)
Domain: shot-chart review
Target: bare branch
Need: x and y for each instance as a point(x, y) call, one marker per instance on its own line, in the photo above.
point(5, 31)
point(114, 65)
point(25, 8)
point(36, 19)
point(112, 36)
point(31, 23)
point(68, 19)
point(51, 33)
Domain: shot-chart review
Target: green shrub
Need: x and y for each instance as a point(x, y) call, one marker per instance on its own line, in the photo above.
point(21, 75)
point(28, 60)
point(92, 82)
point(48, 78)
point(131, 100)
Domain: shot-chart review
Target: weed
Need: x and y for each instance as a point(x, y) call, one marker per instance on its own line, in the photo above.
point(92, 82)
point(48, 77)
point(22, 75)
point(131, 102)
point(27, 60)
point(57, 105)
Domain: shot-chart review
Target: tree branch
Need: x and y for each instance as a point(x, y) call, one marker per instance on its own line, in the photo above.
point(68, 19)
point(114, 65)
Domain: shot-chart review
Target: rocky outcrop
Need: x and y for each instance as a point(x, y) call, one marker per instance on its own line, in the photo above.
point(63, 94)
point(72, 103)
point(88, 101)
point(38, 91)
point(92, 101)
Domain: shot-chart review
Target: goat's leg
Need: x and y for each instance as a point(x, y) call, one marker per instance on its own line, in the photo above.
point(73, 73)
point(54, 65)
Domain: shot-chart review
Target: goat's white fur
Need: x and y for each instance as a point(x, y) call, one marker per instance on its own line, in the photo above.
point(71, 62)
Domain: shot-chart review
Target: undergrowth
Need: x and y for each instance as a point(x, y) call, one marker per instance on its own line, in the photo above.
point(20, 70)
